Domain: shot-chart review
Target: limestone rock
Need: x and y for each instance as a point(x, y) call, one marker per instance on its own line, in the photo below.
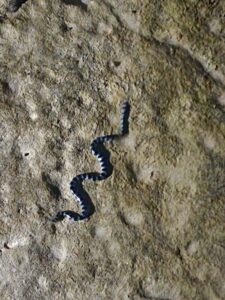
point(158, 229)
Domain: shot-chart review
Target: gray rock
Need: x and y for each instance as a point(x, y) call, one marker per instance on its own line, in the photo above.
point(158, 229)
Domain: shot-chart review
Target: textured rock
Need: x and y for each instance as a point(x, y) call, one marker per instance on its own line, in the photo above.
point(158, 230)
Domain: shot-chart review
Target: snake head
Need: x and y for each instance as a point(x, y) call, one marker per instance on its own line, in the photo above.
point(59, 217)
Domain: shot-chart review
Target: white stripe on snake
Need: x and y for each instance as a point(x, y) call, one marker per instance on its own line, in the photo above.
point(103, 156)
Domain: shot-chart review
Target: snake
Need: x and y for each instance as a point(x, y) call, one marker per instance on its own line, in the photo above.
point(106, 169)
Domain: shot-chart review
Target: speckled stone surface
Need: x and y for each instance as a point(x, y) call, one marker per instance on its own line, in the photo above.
point(158, 231)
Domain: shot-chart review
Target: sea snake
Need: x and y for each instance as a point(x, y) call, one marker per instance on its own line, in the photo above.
point(103, 156)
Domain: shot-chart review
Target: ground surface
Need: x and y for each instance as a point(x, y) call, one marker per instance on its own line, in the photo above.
point(158, 230)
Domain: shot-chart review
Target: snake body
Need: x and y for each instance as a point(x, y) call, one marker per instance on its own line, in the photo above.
point(102, 154)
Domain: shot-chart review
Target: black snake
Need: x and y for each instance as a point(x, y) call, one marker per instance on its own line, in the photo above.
point(103, 156)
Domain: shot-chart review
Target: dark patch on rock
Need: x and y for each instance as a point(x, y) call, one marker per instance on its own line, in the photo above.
point(14, 5)
point(78, 3)
point(53, 189)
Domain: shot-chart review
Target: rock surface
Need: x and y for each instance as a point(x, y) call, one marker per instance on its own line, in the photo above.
point(158, 230)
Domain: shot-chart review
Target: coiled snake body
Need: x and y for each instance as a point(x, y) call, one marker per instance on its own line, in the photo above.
point(103, 156)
